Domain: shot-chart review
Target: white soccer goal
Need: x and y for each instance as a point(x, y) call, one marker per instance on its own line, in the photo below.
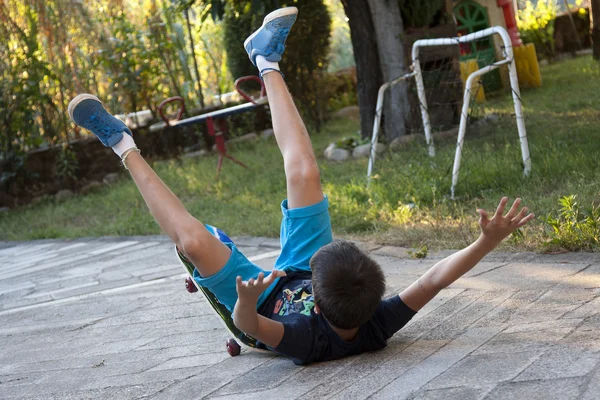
point(468, 95)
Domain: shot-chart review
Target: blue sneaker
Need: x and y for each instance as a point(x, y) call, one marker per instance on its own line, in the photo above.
point(87, 111)
point(269, 40)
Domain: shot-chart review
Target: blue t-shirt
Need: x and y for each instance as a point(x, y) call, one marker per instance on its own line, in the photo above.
point(308, 337)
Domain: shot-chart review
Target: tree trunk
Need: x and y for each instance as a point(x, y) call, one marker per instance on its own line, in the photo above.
point(595, 22)
point(572, 20)
point(193, 49)
point(367, 60)
point(389, 31)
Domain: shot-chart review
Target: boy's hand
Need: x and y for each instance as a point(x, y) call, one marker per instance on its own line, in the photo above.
point(245, 316)
point(250, 291)
point(496, 229)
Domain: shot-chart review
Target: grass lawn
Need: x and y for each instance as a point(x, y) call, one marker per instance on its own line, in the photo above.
point(407, 204)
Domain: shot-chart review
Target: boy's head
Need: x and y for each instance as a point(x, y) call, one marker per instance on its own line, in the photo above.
point(347, 284)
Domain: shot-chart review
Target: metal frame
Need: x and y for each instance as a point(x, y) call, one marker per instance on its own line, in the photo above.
point(417, 73)
point(377, 121)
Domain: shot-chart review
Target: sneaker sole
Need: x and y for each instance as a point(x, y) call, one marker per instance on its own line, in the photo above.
point(282, 12)
point(78, 99)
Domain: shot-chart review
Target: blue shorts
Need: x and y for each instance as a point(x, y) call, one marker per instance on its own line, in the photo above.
point(303, 231)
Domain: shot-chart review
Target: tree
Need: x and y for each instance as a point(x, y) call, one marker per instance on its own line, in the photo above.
point(366, 56)
point(595, 22)
point(376, 29)
point(389, 30)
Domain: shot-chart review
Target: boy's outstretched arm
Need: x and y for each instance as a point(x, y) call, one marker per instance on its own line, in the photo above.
point(245, 316)
point(445, 272)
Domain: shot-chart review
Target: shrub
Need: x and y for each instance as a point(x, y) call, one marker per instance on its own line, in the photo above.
point(239, 21)
point(67, 164)
point(574, 228)
point(25, 108)
point(536, 24)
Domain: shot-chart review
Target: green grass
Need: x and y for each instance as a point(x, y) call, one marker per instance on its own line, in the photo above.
point(562, 125)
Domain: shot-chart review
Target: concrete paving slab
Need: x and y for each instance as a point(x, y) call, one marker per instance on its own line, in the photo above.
point(591, 386)
point(443, 359)
point(560, 389)
point(455, 393)
point(484, 370)
point(110, 318)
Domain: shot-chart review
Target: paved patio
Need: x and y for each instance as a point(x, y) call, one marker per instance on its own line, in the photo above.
point(110, 318)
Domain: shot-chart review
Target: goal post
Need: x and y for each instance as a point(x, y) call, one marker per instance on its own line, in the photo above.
point(417, 73)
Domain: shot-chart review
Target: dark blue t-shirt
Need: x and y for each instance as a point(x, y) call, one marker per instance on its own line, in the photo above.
point(308, 337)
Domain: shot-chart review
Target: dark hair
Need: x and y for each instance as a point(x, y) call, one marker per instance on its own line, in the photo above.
point(347, 284)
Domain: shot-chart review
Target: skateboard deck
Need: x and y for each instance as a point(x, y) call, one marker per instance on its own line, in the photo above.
point(220, 309)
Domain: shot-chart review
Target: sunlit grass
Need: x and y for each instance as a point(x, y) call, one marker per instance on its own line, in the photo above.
point(407, 204)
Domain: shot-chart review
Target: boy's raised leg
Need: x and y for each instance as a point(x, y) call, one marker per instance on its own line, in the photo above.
point(207, 253)
point(301, 170)
point(265, 47)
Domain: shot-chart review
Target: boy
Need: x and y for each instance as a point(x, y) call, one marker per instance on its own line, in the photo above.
point(323, 299)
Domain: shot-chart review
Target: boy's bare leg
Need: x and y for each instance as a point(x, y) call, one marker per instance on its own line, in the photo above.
point(207, 253)
point(301, 170)
point(265, 48)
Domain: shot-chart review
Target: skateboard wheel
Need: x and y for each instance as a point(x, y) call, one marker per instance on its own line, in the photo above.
point(189, 285)
point(233, 348)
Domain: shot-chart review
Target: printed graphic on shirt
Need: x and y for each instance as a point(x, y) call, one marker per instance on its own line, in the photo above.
point(295, 300)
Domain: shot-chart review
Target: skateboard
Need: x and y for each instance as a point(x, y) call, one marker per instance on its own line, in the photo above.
point(233, 347)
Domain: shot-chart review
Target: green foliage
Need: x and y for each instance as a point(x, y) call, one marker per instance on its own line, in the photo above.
point(239, 22)
point(171, 49)
point(216, 73)
point(420, 13)
point(575, 228)
point(341, 54)
point(125, 59)
point(423, 252)
point(25, 108)
point(342, 100)
point(350, 142)
point(67, 164)
point(340, 89)
point(536, 25)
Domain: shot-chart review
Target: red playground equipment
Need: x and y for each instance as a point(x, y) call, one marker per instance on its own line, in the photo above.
point(218, 118)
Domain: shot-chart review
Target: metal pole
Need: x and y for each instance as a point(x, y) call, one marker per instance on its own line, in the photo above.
point(516, 95)
point(422, 99)
point(377, 120)
point(376, 125)
point(464, 116)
